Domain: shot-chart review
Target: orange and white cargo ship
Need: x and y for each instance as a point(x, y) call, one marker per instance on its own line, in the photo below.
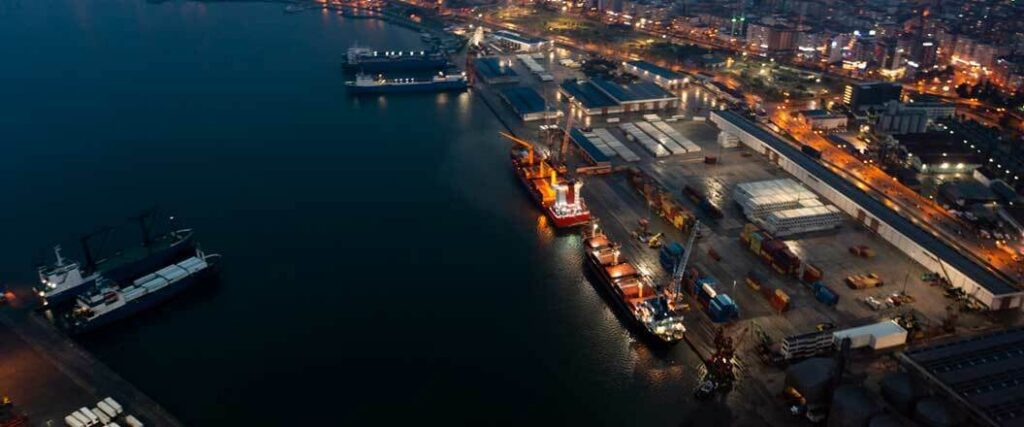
point(558, 197)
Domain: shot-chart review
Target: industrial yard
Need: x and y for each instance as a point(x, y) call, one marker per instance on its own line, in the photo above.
point(643, 190)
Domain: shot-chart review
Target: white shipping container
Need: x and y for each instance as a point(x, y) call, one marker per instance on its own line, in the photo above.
point(113, 404)
point(71, 421)
point(132, 421)
point(106, 408)
point(93, 419)
point(104, 418)
point(81, 418)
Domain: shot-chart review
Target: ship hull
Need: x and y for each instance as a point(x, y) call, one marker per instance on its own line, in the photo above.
point(560, 222)
point(409, 65)
point(132, 267)
point(408, 88)
point(605, 286)
point(145, 302)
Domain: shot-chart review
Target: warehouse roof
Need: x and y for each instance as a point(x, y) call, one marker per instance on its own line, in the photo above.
point(986, 372)
point(662, 72)
point(587, 145)
point(490, 67)
point(633, 92)
point(983, 277)
point(587, 94)
point(519, 38)
point(524, 100)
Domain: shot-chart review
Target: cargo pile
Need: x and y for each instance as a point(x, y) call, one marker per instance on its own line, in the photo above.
point(777, 298)
point(773, 252)
point(864, 281)
point(719, 307)
point(662, 201)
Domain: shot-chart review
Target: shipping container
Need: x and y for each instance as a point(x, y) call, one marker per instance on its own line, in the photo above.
point(113, 404)
point(811, 274)
point(71, 421)
point(132, 421)
point(825, 294)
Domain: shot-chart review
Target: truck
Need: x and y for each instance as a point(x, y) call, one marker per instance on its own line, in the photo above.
point(811, 152)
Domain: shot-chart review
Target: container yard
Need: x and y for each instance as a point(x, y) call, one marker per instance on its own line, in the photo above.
point(749, 270)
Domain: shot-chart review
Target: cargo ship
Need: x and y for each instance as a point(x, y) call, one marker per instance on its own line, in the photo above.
point(107, 302)
point(62, 281)
point(632, 292)
point(367, 60)
point(365, 84)
point(560, 198)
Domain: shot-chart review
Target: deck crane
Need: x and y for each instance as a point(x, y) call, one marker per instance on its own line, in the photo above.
point(565, 140)
point(680, 269)
point(529, 146)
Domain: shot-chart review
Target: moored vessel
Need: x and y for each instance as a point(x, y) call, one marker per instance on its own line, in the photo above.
point(631, 291)
point(365, 84)
point(62, 281)
point(106, 302)
point(557, 196)
point(366, 60)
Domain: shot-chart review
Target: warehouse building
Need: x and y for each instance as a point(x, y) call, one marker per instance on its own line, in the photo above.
point(921, 246)
point(661, 76)
point(528, 104)
point(519, 42)
point(601, 97)
point(983, 374)
point(492, 70)
point(822, 120)
point(861, 96)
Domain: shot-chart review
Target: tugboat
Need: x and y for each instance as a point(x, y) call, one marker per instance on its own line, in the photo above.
point(106, 302)
point(62, 281)
point(631, 291)
point(560, 198)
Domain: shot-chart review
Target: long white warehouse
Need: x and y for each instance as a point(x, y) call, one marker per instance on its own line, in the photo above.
point(918, 244)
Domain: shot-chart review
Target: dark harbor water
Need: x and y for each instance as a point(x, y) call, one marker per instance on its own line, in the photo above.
point(381, 265)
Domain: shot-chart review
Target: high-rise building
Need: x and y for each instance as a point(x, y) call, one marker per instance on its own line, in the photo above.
point(866, 95)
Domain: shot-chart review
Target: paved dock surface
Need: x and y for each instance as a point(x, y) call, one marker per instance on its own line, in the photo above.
point(48, 375)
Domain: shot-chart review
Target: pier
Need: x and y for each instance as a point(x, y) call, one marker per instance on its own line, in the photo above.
point(48, 376)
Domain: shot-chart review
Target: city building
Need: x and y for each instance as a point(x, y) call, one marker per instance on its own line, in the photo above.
point(660, 75)
point(861, 96)
point(771, 37)
point(938, 153)
point(822, 120)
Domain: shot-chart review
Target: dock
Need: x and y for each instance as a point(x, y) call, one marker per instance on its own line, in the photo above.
point(48, 376)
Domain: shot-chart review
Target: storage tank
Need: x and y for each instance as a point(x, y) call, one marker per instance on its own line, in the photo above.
point(852, 406)
point(936, 412)
point(902, 392)
point(812, 378)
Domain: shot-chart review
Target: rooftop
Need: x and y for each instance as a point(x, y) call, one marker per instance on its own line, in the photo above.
point(519, 38)
point(524, 100)
point(986, 372)
point(587, 94)
point(633, 92)
point(662, 72)
point(951, 256)
point(491, 67)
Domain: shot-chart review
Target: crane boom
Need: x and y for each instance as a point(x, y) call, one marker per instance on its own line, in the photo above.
point(529, 146)
point(677, 274)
